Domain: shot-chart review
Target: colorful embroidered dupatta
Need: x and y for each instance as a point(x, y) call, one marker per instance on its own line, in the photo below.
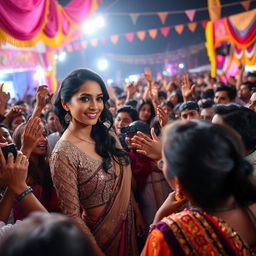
point(194, 232)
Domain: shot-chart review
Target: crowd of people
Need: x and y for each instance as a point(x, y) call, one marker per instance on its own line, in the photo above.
point(152, 167)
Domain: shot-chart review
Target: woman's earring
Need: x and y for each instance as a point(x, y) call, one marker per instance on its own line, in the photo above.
point(67, 118)
point(178, 196)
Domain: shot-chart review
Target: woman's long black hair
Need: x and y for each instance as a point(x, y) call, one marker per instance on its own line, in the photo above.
point(209, 161)
point(105, 142)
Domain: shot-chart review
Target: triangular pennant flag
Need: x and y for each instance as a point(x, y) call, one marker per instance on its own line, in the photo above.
point(129, 36)
point(134, 17)
point(77, 46)
point(84, 44)
point(179, 29)
point(162, 16)
point(94, 42)
point(114, 39)
point(190, 14)
point(192, 26)
point(103, 40)
point(246, 4)
point(69, 48)
point(141, 35)
point(204, 23)
point(165, 31)
point(153, 33)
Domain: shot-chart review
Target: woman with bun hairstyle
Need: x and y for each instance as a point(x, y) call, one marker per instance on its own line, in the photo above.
point(90, 170)
point(204, 164)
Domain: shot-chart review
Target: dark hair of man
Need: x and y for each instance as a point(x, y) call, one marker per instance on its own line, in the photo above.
point(207, 104)
point(152, 110)
point(250, 85)
point(208, 160)
point(105, 142)
point(46, 234)
point(244, 122)
point(162, 94)
point(230, 89)
point(121, 97)
point(130, 110)
point(167, 103)
point(224, 109)
point(207, 94)
point(132, 103)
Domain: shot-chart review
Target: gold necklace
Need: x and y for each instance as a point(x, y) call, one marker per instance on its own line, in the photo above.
point(89, 142)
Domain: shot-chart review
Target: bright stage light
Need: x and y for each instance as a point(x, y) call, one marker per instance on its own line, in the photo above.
point(102, 64)
point(62, 56)
point(110, 81)
point(99, 22)
point(181, 65)
point(89, 27)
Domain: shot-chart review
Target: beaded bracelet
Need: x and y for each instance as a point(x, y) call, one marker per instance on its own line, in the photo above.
point(23, 194)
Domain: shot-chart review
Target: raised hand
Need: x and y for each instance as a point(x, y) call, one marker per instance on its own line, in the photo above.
point(131, 90)
point(15, 110)
point(162, 116)
point(31, 135)
point(4, 98)
point(147, 146)
point(14, 172)
point(186, 88)
point(43, 96)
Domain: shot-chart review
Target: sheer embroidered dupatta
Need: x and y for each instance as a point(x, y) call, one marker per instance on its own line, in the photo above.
point(114, 230)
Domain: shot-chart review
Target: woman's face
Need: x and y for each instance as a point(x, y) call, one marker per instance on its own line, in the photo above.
point(5, 136)
point(167, 110)
point(50, 122)
point(17, 121)
point(86, 105)
point(173, 98)
point(41, 146)
point(145, 113)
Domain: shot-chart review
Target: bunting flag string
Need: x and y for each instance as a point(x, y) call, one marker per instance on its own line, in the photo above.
point(214, 8)
point(153, 33)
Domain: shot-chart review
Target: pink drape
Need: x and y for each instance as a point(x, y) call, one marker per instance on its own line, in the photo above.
point(24, 22)
point(22, 19)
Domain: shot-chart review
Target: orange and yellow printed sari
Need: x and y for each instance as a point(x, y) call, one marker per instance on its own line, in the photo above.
point(194, 232)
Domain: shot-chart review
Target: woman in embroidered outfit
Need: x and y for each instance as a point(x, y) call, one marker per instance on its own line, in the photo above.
point(90, 171)
point(204, 164)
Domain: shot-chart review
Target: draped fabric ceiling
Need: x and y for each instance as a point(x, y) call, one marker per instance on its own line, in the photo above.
point(240, 32)
point(24, 22)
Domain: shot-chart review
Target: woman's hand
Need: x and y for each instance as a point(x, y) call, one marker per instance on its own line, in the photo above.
point(14, 172)
point(147, 146)
point(169, 206)
point(32, 133)
point(43, 96)
point(162, 116)
point(140, 224)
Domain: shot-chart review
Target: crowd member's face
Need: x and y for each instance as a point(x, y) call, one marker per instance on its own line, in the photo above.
point(5, 136)
point(145, 113)
point(189, 114)
point(252, 102)
point(167, 110)
point(122, 119)
point(120, 102)
point(50, 122)
point(244, 92)
point(206, 114)
point(128, 138)
point(221, 97)
point(17, 121)
point(251, 79)
point(41, 146)
point(47, 107)
point(86, 105)
point(173, 98)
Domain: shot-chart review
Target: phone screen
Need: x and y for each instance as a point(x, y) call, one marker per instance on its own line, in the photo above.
point(11, 148)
